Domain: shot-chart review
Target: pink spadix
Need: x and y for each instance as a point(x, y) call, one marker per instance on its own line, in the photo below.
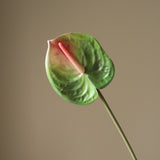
point(73, 61)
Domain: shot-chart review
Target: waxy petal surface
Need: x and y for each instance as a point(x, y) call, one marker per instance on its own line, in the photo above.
point(77, 66)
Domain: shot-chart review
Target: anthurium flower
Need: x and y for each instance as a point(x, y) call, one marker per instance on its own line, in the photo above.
point(76, 66)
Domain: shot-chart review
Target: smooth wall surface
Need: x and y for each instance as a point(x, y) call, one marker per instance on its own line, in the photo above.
point(36, 124)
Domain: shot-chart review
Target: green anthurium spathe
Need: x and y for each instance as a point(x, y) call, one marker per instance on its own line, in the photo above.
point(76, 66)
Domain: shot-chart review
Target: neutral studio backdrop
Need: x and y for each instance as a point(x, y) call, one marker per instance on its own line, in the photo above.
point(36, 124)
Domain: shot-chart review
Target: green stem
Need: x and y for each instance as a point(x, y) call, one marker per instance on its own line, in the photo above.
point(118, 126)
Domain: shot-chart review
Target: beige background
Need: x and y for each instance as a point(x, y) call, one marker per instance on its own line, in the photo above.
point(36, 124)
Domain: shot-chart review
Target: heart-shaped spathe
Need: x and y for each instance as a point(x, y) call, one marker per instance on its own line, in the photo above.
point(76, 66)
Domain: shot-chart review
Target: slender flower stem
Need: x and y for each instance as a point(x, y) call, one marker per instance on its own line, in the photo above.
point(116, 123)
